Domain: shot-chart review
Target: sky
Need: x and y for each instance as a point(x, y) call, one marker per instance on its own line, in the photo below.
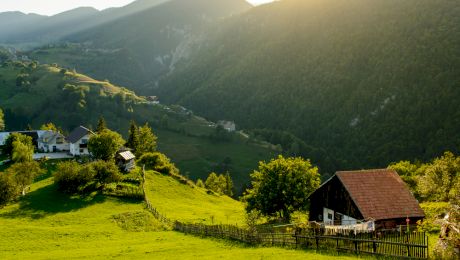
point(51, 7)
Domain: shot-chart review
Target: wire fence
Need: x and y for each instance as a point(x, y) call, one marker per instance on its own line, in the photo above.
point(392, 243)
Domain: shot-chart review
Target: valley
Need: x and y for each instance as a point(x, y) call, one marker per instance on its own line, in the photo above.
point(230, 129)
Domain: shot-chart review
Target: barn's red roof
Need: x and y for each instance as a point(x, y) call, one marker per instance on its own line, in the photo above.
point(380, 194)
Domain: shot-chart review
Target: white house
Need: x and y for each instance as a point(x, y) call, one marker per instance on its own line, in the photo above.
point(228, 125)
point(78, 141)
point(51, 141)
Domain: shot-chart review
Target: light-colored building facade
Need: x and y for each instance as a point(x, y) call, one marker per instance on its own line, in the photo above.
point(51, 142)
point(78, 141)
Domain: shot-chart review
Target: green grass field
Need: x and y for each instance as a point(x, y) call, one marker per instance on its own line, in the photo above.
point(191, 204)
point(196, 157)
point(49, 225)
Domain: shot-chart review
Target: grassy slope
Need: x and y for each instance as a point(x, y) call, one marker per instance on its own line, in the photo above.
point(184, 203)
point(47, 225)
point(195, 156)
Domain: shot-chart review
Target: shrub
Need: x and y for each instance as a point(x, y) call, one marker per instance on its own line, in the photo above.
point(433, 212)
point(106, 172)
point(71, 177)
point(159, 162)
point(8, 188)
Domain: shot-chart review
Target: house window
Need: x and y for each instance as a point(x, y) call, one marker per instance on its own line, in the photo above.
point(84, 141)
point(81, 150)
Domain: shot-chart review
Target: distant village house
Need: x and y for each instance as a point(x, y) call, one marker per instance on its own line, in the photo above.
point(152, 100)
point(227, 125)
point(352, 197)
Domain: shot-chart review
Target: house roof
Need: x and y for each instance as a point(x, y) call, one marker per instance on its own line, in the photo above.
point(380, 194)
point(49, 137)
point(127, 155)
point(78, 133)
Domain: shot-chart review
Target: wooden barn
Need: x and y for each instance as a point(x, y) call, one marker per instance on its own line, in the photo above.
point(350, 197)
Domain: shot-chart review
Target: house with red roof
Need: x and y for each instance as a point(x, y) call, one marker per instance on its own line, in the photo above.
point(352, 197)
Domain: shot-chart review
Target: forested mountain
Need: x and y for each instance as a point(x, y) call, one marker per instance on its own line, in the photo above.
point(28, 30)
point(33, 95)
point(136, 50)
point(361, 83)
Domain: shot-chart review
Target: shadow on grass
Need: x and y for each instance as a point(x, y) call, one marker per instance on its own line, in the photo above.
point(48, 201)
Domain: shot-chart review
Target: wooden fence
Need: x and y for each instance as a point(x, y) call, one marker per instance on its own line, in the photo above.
point(391, 243)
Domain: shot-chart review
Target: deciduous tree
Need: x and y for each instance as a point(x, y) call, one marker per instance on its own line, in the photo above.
point(24, 173)
point(8, 188)
point(441, 179)
point(104, 145)
point(22, 152)
point(8, 147)
point(282, 186)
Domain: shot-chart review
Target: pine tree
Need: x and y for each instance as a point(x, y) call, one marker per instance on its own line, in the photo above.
point(147, 141)
point(228, 185)
point(101, 126)
point(133, 138)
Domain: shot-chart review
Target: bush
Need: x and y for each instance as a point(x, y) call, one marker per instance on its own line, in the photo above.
point(433, 212)
point(8, 188)
point(106, 172)
point(71, 177)
point(159, 162)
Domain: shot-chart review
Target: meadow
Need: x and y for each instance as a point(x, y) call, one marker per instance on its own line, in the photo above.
point(46, 224)
point(191, 204)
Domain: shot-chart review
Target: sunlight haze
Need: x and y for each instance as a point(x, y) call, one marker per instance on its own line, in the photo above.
point(52, 7)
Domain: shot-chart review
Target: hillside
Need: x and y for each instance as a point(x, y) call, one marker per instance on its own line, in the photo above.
point(31, 30)
point(361, 83)
point(191, 204)
point(35, 95)
point(49, 225)
point(137, 50)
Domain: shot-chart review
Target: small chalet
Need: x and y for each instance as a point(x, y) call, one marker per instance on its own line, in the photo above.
point(350, 197)
point(125, 160)
point(78, 141)
point(51, 142)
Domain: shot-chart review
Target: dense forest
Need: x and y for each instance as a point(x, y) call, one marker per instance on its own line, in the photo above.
point(137, 49)
point(365, 82)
